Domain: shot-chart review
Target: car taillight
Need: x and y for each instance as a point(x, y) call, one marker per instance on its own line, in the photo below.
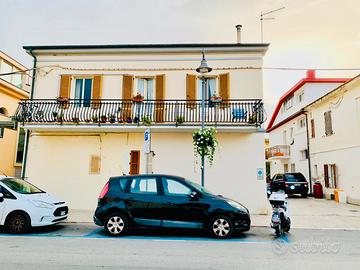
point(104, 191)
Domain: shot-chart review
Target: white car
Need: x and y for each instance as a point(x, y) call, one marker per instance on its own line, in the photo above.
point(22, 206)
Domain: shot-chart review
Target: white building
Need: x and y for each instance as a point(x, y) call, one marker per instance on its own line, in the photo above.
point(82, 138)
point(288, 150)
point(334, 125)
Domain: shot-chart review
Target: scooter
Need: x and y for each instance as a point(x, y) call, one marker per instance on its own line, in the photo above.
point(280, 219)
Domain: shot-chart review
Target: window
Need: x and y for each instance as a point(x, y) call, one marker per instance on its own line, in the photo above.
point(285, 137)
point(122, 183)
point(291, 138)
point(134, 162)
point(83, 91)
point(6, 68)
point(330, 175)
point(288, 103)
point(304, 154)
point(175, 188)
point(210, 88)
point(286, 168)
point(145, 86)
point(1, 132)
point(6, 193)
point(328, 123)
point(20, 146)
point(302, 122)
point(16, 78)
point(301, 97)
point(293, 167)
point(143, 186)
point(312, 123)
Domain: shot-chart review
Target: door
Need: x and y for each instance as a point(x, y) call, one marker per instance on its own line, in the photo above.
point(179, 209)
point(9, 202)
point(143, 201)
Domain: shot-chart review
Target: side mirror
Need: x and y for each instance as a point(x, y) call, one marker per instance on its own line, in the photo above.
point(1, 197)
point(194, 195)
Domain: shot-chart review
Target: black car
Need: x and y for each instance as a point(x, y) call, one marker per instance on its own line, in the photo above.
point(166, 201)
point(295, 183)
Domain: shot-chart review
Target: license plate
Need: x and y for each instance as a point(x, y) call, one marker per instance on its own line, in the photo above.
point(62, 213)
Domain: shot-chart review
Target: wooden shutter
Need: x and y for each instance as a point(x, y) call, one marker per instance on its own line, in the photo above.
point(97, 91)
point(127, 94)
point(160, 96)
point(312, 123)
point(64, 93)
point(333, 167)
point(328, 123)
point(134, 162)
point(224, 89)
point(326, 175)
point(191, 90)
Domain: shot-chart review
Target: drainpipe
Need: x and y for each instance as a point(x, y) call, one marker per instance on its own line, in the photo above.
point(27, 132)
point(308, 150)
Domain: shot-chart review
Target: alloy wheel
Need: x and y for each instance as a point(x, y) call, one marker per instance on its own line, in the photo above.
point(221, 227)
point(115, 225)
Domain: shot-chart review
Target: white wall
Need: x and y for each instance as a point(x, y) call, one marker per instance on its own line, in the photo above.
point(60, 164)
point(343, 147)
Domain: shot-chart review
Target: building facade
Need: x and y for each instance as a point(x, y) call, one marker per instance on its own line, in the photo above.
point(334, 124)
point(86, 126)
point(13, 88)
point(288, 151)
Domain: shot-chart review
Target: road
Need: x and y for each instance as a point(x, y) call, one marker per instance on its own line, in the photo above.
point(84, 246)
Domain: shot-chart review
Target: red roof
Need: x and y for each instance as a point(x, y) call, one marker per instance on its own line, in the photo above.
point(310, 79)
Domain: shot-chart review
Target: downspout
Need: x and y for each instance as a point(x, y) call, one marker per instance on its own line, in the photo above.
point(27, 134)
point(308, 149)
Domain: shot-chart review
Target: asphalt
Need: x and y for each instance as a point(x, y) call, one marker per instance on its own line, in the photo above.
point(85, 246)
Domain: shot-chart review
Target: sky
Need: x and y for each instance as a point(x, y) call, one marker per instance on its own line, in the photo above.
point(306, 34)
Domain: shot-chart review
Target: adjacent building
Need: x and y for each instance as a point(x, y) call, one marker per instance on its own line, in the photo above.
point(14, 86)
point(85, 124)
point(334, 132)
point(288, 151)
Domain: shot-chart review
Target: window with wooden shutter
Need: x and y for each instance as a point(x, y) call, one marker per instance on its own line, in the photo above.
point(224, 89)
point(134, 162)
point(312, 123)
point(328, 123)
point(97, 91)
point(64, 93)
point(190, 91)
point(160, 96)
point(127, 90)
point(326, 175)
point(95, 164)
point(334, 175)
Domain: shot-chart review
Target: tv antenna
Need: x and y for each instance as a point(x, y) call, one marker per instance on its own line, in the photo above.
point(263, 17)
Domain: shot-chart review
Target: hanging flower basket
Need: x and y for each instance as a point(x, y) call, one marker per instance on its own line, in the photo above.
point(138, 98)
point(205, 143)
point(216, 99)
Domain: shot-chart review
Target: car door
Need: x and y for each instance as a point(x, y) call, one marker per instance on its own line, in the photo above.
point(179, 208)
point(143, 200)
point(2, 205)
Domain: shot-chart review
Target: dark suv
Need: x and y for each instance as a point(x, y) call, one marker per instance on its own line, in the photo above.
point(166, 201)
point(295, 183)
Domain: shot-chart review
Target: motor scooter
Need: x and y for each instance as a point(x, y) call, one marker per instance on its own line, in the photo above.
point(280, 219)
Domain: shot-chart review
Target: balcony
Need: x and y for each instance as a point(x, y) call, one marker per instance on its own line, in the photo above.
point(278, 152)
point(130, 113)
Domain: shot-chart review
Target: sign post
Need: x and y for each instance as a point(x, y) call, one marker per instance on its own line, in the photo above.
point(147, 150)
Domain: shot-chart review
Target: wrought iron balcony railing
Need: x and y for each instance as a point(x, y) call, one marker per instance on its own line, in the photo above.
point(278, 151)
point(240, 112)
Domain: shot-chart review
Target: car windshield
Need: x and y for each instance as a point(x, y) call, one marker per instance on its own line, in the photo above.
point(21, 186)
point(198, 187)
point(295, 177)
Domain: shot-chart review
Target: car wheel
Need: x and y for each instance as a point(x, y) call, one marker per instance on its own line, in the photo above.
point(17, 223)
point(116, 225)
point(221, 227)
point(304, 195)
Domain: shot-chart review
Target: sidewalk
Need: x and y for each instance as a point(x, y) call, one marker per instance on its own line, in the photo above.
point(307, 213)
point(313, 213)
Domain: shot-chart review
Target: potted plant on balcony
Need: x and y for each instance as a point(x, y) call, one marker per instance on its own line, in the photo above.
point(252, 119)
point(205, 143)
point(216, 99)
point(279, 154)
point(129, 120)
point(112, 119)
point(179, 120)
point(136, 119)
point(62, 99)
point(120, 119)
point(103, 118)
point(55, 115)
point(138, 97)
point(95, 119)
point(76, 119)
point(146, 120)
point(60, 117)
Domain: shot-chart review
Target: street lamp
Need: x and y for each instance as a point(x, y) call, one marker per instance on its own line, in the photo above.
point(203, 69)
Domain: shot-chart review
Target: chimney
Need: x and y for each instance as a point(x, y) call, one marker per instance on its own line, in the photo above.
point(310, 74)
point(238, 33)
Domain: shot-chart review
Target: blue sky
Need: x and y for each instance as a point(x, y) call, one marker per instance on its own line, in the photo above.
point(307, 33)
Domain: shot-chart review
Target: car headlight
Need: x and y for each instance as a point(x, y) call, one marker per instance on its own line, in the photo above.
point(238, 206)
point(41, 204)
